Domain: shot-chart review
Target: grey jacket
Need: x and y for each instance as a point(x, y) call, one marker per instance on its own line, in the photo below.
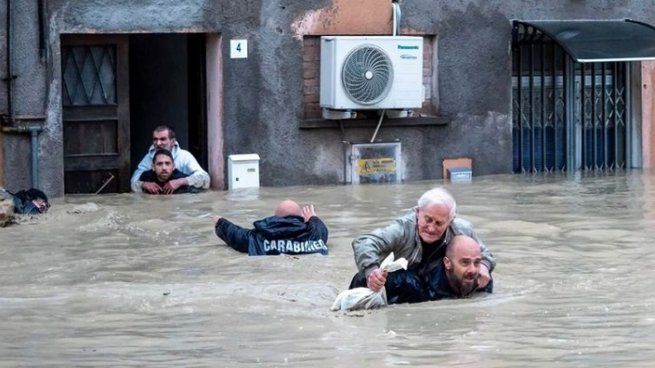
point(401, 238)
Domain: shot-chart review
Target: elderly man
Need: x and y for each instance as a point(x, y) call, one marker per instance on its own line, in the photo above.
point(292, 230)
point(163, 137)
point(455, 277)
point(163, 171)
point(421, 236)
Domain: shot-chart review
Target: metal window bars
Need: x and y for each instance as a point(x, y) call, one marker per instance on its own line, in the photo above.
point(566, 115)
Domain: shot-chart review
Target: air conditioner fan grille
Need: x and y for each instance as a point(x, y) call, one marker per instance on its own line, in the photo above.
point(367, 75)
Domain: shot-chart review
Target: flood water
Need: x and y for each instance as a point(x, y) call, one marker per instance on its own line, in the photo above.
point(126, 280)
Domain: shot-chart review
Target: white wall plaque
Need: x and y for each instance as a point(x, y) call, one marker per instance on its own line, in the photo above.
point(238, 49)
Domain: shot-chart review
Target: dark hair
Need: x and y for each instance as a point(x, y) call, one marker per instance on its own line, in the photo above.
point(161, 128)
point(162, 152)
point(31, 194)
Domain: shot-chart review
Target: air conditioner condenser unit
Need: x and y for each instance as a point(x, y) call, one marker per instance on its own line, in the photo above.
point(371, 72)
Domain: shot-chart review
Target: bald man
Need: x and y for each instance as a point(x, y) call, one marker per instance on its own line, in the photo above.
point(455, 277)
point(292, 230)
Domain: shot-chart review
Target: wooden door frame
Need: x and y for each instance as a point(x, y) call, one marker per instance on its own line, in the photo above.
point(122, 97)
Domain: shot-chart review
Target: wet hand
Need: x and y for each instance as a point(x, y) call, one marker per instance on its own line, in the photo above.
point(484, 277)
point(308, 212)
point(215, 218)
point(172, 185)
point(376, 280)
point(150, 187)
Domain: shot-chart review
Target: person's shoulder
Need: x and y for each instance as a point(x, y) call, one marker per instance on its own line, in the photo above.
point(177, 174)
point(147, 175)
point(461, 225)
point(408, 217)
point(150, 152)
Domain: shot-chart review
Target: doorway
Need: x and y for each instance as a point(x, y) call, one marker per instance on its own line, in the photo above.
point(116, 90)
point(167, 87)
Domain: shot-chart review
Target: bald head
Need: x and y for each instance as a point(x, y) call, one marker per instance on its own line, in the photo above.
point(463, 245)
point(462, 262)
point(288, 208)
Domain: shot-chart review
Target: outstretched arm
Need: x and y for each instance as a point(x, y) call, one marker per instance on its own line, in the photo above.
point(233, 235)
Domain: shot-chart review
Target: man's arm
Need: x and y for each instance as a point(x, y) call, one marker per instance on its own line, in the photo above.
point(233, 235)
point(318, 229)
point(315, 224)
point(186, 163)
point(144, 165)
point(370, 248)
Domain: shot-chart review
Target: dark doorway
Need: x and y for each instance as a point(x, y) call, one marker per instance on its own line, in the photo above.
point(167, 86)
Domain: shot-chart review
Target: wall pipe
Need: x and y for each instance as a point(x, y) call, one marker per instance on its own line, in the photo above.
point(34, 131)
point(9, 77)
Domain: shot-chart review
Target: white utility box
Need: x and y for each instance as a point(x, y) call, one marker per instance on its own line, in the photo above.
point(243, 171)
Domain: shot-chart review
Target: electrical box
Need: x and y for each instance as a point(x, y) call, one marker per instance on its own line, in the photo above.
point(243, 171)
point(460, 174)
point(375, 163)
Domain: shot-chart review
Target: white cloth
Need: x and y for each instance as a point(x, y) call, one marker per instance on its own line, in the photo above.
point(184, 162)
point(365, 298)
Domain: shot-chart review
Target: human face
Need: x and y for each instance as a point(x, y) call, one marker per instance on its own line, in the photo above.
point(433, 220)
point(41, 205)
point(463, 267)
point(161, 140)
point(163, 167)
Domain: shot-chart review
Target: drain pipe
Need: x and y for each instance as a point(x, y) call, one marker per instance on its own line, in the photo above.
point(396, 18)
point(395, 11)
point(34, 131)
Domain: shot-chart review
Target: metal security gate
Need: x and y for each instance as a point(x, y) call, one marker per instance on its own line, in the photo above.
point(566, 115)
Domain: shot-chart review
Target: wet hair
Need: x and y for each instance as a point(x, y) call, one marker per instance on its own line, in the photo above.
point(31, 194)
point(162, 152)
point(438, 196)
point(161, 128)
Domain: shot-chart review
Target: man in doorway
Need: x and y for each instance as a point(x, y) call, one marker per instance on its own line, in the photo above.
point(455, 277)
point(292, 230)
point(421, 237)
point(163, 172)
point(163, 137)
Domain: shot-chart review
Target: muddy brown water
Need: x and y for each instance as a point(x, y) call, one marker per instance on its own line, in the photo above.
point(123, 280)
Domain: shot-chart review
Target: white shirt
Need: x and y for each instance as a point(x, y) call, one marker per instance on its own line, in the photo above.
point(184, 162)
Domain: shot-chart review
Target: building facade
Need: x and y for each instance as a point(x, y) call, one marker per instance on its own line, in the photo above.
point(85, 82)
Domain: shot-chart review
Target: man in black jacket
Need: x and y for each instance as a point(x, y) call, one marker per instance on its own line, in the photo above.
point(456, 276)
point(292, 230)
point(163, 171)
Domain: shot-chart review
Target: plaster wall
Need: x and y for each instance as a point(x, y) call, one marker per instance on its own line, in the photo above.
point(262, 95)
point(648, 113)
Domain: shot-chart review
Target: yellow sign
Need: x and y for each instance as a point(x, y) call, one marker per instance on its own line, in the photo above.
point(384, 165)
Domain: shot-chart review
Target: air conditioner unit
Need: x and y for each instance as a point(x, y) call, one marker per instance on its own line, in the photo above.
point(371, 72)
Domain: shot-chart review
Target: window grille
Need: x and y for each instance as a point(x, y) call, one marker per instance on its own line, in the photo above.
point(566, 115)
point(89, 75)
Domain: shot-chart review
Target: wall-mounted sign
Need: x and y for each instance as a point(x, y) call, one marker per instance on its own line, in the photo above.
point(238, 49)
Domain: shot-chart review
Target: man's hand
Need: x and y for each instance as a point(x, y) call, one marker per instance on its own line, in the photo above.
point(376, 280)
point(150, 187)
point(172, 185)
point(308, 212)
point(484, 277)
point(215, 219)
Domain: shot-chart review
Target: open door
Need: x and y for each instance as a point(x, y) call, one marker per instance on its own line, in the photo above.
point(96, 118)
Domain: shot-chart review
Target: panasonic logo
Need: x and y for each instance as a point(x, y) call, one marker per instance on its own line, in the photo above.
point(404, 47)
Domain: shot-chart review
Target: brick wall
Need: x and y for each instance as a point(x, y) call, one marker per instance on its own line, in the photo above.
point(312, 75)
